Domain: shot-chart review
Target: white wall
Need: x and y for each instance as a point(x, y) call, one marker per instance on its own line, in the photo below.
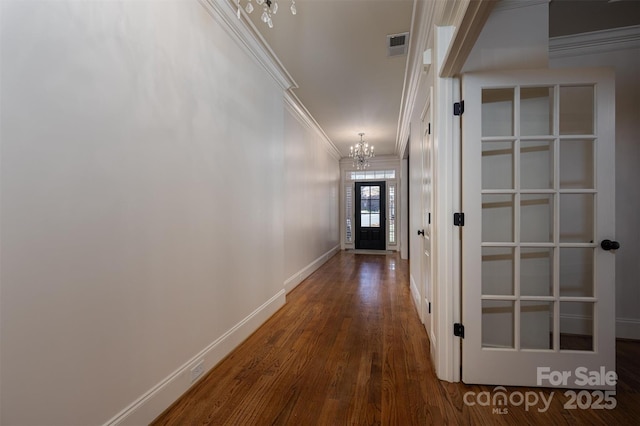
point(143, 205)
point(619, 49)
point(311, 198)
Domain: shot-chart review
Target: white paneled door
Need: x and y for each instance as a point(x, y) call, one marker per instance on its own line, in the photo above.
point(538, 275)
point(428, 288)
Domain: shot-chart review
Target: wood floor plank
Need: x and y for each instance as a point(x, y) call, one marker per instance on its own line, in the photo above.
point(348, 349)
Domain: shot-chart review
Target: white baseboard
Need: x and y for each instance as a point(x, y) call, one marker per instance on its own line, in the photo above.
point(575, 324)
point(160, 397)
point(628, 328)
point(415, 294)
point(293, 281)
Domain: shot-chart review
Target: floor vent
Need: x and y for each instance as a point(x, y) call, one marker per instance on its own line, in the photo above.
point(397, 44)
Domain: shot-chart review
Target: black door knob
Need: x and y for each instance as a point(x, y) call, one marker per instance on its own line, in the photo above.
point(421, 232)
point(609, 245)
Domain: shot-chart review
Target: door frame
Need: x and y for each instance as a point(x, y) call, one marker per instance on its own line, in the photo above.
point(383, 213)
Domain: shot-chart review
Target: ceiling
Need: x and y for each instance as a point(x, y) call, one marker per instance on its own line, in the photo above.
point(336, 51)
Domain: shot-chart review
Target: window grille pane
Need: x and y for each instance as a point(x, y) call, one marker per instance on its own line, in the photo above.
point(392, 214)
point(371, 175)
point(348, 213)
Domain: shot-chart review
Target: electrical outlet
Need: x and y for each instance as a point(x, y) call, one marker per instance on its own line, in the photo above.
point(197, 370)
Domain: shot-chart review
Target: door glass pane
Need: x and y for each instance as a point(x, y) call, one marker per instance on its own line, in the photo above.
point(497, 218)
point(365, 220)
point(365, 191)
point(497, 271)
point(576, 218)
point(576, 326)
point(536, 164)
point(497, 112)
point(365, 206)
point(576, 164)
point(375, 220)
point(536, 111)
point(576, 271)
point(536, 218)
point(497, 324)
point(536, 271)
point(497, 165)
point(536, 324)
point(375, 206)
point(375, 192)
point(576, 110)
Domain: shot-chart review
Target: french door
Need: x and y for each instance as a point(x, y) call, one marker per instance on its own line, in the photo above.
point(538, 196)
point(370, 216)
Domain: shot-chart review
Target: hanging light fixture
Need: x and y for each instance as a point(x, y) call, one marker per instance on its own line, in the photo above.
point(269, 8)
point(361, 153)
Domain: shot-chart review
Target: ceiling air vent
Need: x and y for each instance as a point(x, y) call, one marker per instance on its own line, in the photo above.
point(397, 44)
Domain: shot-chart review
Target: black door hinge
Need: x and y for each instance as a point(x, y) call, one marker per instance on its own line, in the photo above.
point(429, 129)
point(458, 219)
point(429, 307)
point(429, 219)
point(458, 108)
point(458, 330)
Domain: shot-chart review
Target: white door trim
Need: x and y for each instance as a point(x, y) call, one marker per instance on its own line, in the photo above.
point(446, 246)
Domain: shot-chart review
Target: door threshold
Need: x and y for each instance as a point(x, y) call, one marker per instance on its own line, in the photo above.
point(363, 251)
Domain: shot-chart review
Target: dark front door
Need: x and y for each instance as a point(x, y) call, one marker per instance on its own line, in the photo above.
point(370, 219)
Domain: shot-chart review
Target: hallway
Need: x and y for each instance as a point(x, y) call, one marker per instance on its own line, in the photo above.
point(348, 348)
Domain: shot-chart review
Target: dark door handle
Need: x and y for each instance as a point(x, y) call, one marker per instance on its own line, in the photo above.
point(421, 232)
point(609, 245)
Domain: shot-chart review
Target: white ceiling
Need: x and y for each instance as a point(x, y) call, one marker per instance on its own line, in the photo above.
point(336, 52)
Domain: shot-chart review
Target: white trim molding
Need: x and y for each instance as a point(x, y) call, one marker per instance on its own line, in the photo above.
point(517, 4)
point(150, 405)
point(295, 106)
point(248, 37)
point(293, 281)
point(422, 20)
point(628, 328)
point(415, 294)
point(595, 42)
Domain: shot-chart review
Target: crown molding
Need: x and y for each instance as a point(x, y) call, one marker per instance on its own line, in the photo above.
point(293, 104)
point(245, 33)
point(595, 42)
point(421, 25)
point(517, 4)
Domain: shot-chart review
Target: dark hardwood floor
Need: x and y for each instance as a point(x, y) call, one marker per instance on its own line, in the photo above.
point(348, 348)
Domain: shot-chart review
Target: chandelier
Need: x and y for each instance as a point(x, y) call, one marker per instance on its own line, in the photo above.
point(269, 8)
point(361, 153)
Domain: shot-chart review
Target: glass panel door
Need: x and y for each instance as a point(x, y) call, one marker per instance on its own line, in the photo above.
point(370, 215)
point(532, 194)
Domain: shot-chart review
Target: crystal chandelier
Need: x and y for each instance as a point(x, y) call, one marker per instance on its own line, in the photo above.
point(269, 8)
point(361, 152)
